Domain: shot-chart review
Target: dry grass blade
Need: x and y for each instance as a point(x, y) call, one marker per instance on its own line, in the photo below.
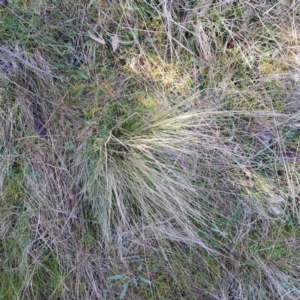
point(96, 39)
point(115, 42)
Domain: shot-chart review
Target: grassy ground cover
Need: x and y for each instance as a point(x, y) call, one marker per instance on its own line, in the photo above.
point(149, 149)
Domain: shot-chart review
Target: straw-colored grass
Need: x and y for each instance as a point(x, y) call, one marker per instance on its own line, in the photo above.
point(149, 149)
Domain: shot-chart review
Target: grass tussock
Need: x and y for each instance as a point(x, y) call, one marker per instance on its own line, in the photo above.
point(149, 150)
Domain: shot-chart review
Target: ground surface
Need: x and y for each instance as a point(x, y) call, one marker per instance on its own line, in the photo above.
point(149, 149)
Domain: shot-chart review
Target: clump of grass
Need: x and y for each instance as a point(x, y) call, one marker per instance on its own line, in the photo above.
point(143, 165)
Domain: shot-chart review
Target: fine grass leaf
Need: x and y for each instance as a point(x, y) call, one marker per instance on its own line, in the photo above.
point(125, 288)
point(61, 66)
point(77, 61)
point(277, 199)
point(96, 39)
point(82, 75)
point(116, 277)
point(127, 43)
point(276, 210)
point(145, 280)
point(134, 281)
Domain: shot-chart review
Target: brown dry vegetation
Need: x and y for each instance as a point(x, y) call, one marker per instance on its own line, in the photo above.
point(149, 149)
